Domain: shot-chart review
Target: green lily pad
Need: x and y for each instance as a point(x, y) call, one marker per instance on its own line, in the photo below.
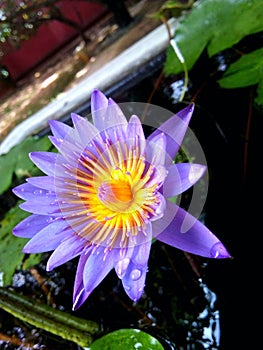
point(215, 25)
point(17, 160)
point(246, 71)
point(11, 255)
point(128, 339)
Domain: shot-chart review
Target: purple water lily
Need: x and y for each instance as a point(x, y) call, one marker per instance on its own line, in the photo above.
point(106, 196)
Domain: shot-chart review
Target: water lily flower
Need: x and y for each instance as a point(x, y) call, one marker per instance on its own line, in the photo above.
point(106, 195)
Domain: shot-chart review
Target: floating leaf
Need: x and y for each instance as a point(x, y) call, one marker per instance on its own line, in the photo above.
point(17, 160)
point(126, 339)
point(246, 71)
point(11, 255)
point(24, 165)
point(7, 164)
point(215, 25)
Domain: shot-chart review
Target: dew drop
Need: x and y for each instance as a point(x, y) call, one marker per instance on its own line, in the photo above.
point(218, 251)
point(121, 267)
point(136, 274)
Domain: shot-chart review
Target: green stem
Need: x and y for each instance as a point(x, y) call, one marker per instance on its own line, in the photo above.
point(47, 318)
point(178, 55)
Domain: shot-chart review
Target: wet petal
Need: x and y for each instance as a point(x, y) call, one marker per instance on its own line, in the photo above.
point(67, 250)
point(68, 150)
point(122, 265)
point(31, 225)
point(49, 238)
point(180, 177)
point(134, 280)
point(141, 254)
point(174, 129)
point(29, 192)
point(60, 130)
point(181, 230)
point(45, 161)
point(98, 266)
point(33, 207)
point(79, 294)
point(45, 182)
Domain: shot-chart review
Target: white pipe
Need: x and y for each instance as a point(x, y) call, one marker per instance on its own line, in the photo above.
point(129, 60)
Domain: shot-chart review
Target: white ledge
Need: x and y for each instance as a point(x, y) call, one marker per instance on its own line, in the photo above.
point(128, 61)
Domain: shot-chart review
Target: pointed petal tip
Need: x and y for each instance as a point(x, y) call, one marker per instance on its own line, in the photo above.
point(187, 111)
point(97, 94)
point(75, 117)
point(218, 251)
point(79, 299)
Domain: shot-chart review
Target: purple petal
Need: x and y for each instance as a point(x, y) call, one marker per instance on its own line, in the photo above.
point(45, 161)
point(105, 112)
point(114, 115)
point(29, 192)
point(67, 250)
point(122, 265)
point(135, 129)
point(174, 129)
point(79, 293)
point(198, 239)
point(141, 254)
point(60, 130)
point(180, 177)
point(84, 128)
point(134, 278)
point(36, 207)
point(99, 104)
point(45, 182)
point(48, 238)
point(134, 281)
point(98, 266)
point(156, 149)
point(31, 225)
point(69, 151)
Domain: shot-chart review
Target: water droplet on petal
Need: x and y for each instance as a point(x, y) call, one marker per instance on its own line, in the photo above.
point(121, 267)
point(218, 251)
point(136, 274)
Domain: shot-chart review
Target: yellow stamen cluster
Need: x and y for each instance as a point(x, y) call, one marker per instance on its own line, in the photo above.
point(111, 196)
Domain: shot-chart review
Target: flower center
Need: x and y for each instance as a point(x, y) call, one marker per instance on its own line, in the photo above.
point(113, 197)
point(117, 193)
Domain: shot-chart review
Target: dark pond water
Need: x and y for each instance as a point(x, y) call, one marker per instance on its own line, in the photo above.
point(189, 303)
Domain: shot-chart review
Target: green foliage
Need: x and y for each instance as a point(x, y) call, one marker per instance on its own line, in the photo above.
point(16, 161)
point(11, 255)
point(246, 71)
point(127, 339)
point(216, 25)
point(16, 164)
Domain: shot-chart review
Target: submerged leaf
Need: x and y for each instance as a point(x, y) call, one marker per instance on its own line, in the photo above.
point(215, 25)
